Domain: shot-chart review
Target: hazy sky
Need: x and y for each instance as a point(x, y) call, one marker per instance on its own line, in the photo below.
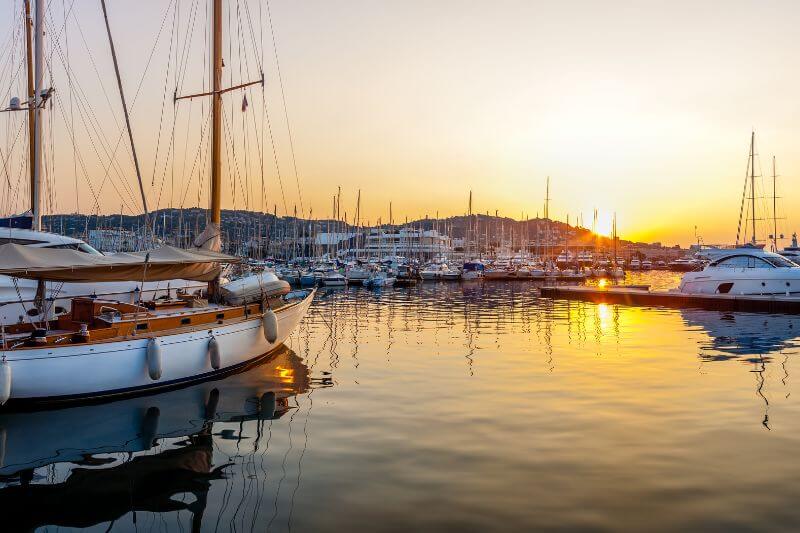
point(643, 107)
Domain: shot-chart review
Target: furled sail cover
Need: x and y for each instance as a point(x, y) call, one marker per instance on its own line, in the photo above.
point(161, 264)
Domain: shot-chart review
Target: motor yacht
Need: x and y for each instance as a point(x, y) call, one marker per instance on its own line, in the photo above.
point(334, 279)
point(747, 270)
point(17, 297)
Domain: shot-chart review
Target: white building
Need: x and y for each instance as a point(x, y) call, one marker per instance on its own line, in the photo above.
point(116, 240)
point(407, 242)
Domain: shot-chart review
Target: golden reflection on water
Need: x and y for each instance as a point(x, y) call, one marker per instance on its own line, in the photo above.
point(469, 406)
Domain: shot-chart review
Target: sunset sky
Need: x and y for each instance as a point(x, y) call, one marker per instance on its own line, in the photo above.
point(643, 108)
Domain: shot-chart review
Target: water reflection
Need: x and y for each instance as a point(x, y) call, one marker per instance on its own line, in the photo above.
point(744, 336)
point(150, 453)
point(442, 407)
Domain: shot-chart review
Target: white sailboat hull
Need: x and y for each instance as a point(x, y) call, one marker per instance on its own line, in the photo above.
point(116, 368)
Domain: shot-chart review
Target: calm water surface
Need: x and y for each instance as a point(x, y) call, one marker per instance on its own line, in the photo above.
point(442, 407)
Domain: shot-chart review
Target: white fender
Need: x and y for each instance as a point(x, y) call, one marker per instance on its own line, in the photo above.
point(270, 323)
point(5, 382)
point(214, 355)
point(154, 359)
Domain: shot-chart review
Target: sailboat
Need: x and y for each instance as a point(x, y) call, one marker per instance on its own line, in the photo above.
point(105, 348)
point(747, 269)
point(25, 299)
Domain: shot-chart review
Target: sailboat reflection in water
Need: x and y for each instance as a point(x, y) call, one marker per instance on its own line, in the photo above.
point(113, 444)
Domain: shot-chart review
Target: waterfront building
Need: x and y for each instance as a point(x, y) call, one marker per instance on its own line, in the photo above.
point(407, 242)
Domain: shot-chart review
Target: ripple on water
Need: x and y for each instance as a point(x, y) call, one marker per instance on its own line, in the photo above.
point(443, 406)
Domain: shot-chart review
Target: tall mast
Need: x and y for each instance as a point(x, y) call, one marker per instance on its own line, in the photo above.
point(36, 196)
point(216, 117)
point(547, 200)
point(774, 209)
point(753, 183)
point(31, 94)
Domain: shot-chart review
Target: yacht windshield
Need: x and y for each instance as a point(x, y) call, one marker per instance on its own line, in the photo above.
point(781, 262)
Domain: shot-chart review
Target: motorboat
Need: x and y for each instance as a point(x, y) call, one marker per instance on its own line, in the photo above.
point(308, 279)
point(635, 264)
point(686, 264)
point(433, 271)
point(18, 297)
point(451, 274)
point(380, 279)
point(647, 265)
point(358, 275)
point(334, 279)
point(472, 270)
point(746, 270)
point(616, 272)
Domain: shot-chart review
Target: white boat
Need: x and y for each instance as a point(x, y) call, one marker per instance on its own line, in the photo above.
point(616, 272)
point(106, 348)
point(357, 275)
point(432, 271)
point(746, 270)
point(451, 274)
point(18, 297)
point(472, 270)
point(635, 264)
point(334, 279)
point(380, 279)
point(70, 434)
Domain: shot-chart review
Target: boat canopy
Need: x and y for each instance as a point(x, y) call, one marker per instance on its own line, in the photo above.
point(161, 264)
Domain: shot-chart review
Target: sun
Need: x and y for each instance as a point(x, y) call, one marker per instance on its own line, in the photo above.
point(604, 224)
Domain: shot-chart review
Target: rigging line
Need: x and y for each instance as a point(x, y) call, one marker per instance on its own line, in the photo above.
point(91, 139)
point(285, 108)
point(96, 71)
point(86, 110)
point(259, 60)
point(71, 132)
point(183, 61)
point(71, 105)
point(237, 173)
point(141, 79)
point(5, 159)
point(274, 151)
point(203, 138)
point(244, 120)
point(161, 116)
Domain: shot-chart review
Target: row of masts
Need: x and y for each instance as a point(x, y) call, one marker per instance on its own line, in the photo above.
point(751, 181)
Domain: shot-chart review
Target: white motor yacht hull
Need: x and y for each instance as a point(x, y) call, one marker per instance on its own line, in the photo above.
point(116, 368)
point(747, 281)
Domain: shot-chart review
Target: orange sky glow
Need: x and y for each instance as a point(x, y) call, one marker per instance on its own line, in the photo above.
point(640, 108)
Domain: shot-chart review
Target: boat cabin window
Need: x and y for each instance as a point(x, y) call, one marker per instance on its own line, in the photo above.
point(743, 261)
point(26, 242)
point(80, 246)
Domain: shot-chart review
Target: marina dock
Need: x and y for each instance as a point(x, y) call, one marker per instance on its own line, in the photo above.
point(644, 297)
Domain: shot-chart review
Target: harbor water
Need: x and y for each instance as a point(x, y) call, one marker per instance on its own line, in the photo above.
point(442, 406)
